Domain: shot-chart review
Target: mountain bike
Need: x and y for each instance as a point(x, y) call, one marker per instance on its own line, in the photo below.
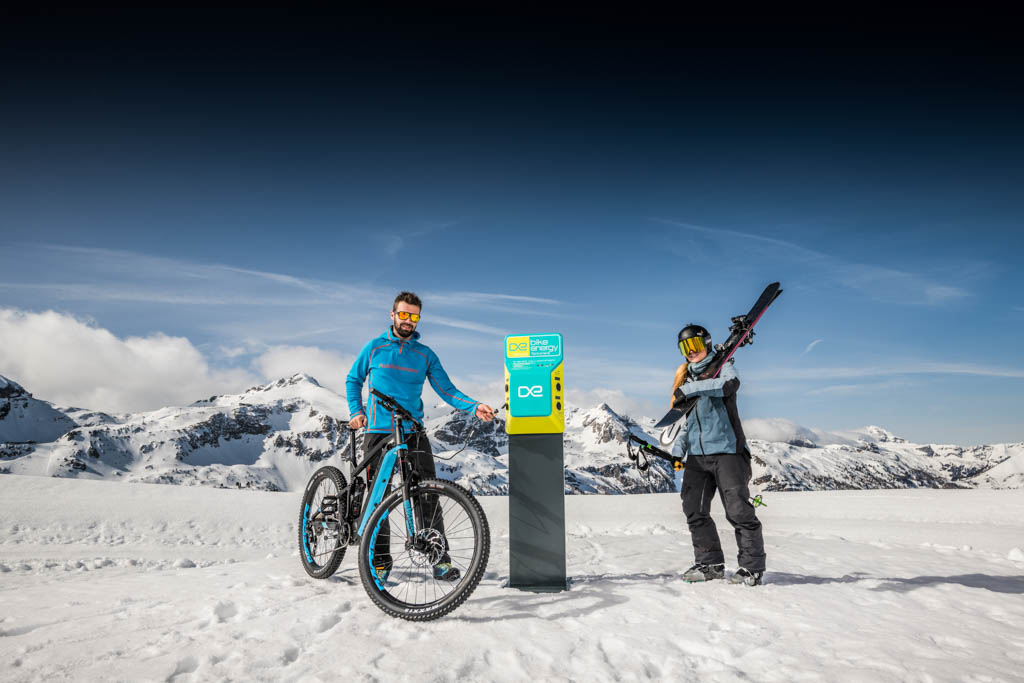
point(419, 523)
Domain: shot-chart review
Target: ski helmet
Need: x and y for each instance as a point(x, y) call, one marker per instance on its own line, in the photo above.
point(694, 338)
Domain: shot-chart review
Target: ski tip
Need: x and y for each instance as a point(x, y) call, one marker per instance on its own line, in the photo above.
point(670, 418)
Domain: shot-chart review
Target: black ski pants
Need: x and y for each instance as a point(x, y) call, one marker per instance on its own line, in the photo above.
point(426, 508)
point(729, 475)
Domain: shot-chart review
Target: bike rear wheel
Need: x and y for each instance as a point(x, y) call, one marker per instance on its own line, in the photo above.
point(322, 534)
point(453, 530)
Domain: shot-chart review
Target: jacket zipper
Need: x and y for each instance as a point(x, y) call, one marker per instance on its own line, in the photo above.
point(700, 429)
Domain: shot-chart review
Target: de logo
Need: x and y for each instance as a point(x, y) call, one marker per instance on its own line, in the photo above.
point(518, 347)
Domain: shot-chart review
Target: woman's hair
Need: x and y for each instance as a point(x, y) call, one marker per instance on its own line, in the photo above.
point(678, 381)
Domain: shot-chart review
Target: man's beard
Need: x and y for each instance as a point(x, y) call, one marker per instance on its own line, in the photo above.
point(403, 329)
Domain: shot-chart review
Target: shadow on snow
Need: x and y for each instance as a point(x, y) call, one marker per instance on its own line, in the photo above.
point(996, 584)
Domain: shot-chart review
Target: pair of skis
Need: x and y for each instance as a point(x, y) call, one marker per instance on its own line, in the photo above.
point(741, 333)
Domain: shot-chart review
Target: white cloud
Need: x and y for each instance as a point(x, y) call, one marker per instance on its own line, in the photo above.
point(616, 399)
point(64, 360)
point(877, 282)
point(811, 346)
point(395, 241)
point(468, 325)
point(328, 367)
point(487, 299)
point(897, 368)
point(232, 351)
point(838, 389)
point(777, 429)
point(151, 294)
point(304, 308)
point(781, 430)
point(937, 294)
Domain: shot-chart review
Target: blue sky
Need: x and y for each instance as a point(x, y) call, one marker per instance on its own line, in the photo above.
point(254, 207)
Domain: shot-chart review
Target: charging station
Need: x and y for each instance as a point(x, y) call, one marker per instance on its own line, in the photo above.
point(535, 396)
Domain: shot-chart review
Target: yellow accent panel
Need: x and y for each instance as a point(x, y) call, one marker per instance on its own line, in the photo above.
point(546, 424)
point(518, 347)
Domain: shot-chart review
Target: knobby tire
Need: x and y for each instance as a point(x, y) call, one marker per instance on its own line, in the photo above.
point(411, 592)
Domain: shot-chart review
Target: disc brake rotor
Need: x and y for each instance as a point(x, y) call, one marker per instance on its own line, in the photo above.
point(427, 548)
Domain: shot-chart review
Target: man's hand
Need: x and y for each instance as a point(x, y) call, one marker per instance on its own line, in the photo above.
point(485, 412)
point(357, 422)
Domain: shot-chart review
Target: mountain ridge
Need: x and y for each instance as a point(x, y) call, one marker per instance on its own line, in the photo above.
point(273, 436)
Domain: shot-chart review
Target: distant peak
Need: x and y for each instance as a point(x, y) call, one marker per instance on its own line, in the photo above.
point(295, 380)
point(300, 377)
point(604, 414)
point(883, 435)
point(605, 408)
point(8, 387)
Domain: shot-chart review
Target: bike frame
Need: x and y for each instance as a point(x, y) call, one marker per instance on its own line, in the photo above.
point(395, 456)
point(379, 488)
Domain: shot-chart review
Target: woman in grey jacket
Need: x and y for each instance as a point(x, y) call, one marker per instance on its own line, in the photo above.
point(717, 460)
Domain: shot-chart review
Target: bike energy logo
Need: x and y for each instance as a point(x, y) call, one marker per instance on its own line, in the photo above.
point(533, 346)
point(536, 391)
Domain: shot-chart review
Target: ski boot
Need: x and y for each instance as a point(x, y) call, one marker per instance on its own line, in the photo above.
point(747, 578)
point(704, 572)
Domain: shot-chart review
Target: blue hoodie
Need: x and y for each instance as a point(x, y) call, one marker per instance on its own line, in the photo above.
point(398, 367)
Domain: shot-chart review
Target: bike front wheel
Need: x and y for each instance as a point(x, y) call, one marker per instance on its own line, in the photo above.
point(422, 559)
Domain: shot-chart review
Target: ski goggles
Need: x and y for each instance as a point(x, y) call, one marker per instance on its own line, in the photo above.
point(692, 345)
point(406, 315)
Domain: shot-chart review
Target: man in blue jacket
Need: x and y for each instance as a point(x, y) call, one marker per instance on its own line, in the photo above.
point(397, 364)
point(717, 459)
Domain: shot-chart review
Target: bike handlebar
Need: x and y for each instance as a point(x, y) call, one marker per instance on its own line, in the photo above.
point(392, 405)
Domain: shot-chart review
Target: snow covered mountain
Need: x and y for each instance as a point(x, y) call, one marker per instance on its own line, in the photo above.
point(24, 418)
point(272, 437)
point(885, 464)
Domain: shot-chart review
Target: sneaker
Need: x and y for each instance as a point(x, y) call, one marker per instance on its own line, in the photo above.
point(444, 571)
point(747, 578)
point(704, 572)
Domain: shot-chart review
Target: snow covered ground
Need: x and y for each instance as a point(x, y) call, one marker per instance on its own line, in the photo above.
point(119, 581)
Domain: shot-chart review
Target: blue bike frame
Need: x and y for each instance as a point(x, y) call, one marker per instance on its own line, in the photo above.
point(380, 485)
point(395, 456)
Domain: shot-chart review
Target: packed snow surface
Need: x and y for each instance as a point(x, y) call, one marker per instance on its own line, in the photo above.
point(144, 582)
